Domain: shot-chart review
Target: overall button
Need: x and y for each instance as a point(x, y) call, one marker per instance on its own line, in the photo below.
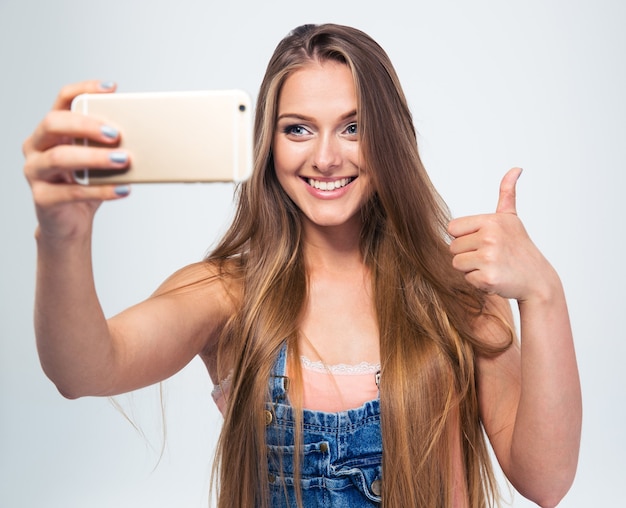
point(377, 487)
point(323, 447)
point(268, 417)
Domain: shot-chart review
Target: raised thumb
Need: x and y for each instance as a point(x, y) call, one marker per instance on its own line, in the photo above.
point(506, 200)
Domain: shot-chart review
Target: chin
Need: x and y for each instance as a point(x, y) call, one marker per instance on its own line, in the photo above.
point(333, 222)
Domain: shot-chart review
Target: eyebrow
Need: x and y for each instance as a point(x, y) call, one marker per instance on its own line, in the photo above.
point(305, 118)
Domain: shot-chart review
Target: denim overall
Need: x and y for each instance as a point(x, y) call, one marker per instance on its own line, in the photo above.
point(342, 464)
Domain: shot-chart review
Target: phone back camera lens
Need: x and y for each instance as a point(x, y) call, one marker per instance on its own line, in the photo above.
point(242, 107)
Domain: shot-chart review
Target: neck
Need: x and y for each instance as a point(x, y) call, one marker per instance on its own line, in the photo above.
point(332, 248)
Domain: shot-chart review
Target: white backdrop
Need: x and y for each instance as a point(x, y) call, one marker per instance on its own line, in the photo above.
point(492, 84)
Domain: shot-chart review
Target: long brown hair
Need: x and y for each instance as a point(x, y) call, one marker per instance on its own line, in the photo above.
point(425, 309)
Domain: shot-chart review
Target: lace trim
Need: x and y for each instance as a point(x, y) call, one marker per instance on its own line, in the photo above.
point(221, 389)
point(340, 368)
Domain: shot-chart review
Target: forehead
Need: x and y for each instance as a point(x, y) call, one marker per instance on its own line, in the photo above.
point(317, 85)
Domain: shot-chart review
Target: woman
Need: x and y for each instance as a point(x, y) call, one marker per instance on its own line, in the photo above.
point(341, 257)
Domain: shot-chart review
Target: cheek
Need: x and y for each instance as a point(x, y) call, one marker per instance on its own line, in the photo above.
point(358, 155)
point(290, 156)
point(282, 160)
point(282, 168)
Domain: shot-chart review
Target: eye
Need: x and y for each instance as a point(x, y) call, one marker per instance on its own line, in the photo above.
point(296, 130)
point(352, 129)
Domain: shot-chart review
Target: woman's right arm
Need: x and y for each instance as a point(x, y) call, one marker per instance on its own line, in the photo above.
point(81, 351)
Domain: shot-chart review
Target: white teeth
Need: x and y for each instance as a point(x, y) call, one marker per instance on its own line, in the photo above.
point(335, 184)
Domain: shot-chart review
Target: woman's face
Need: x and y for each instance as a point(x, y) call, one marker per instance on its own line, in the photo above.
point(316, 145)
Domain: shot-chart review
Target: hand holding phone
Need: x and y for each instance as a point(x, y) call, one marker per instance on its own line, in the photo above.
point(201, 136)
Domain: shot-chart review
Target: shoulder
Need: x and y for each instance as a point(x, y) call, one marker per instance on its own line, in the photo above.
point(183, 318)
point(205, 295)
point(202, 279)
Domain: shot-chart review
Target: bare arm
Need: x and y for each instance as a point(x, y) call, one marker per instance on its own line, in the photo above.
point(530, 404)
point(529, 396)
point(72, 335)
point(82, 352)
point(85, 354)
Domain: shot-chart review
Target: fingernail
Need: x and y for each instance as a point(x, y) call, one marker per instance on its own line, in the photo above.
point(118, 157)
point(122, 190)
point(107, 85)
point(109, 132)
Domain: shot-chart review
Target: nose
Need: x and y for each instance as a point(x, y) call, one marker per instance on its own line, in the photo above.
point(327, 155)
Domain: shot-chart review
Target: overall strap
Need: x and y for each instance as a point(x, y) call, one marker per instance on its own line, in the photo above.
point(279, 383)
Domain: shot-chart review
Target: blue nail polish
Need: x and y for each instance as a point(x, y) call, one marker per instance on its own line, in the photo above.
point(109, 132)
point(107, 85)
point(118, 157)
point(122, 190)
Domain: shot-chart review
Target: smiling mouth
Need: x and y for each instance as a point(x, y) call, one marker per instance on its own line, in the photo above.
point(329, 186)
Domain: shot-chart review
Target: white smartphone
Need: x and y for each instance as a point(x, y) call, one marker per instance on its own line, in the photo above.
point(199, 136)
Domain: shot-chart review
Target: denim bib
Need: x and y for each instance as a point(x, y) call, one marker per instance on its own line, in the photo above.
point(342, 462)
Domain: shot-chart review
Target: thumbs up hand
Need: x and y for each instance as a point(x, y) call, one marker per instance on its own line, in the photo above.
point(494, 251)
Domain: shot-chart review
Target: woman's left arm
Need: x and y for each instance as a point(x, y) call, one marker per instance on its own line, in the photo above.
point(529, 396)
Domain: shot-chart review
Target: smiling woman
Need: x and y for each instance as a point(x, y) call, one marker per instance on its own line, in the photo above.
point(316, 146)
point(341, 256)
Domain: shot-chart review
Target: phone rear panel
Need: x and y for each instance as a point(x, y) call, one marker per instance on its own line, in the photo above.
point(202, 136)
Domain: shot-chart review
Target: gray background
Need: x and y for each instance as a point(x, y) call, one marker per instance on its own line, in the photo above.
point(492, 84)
